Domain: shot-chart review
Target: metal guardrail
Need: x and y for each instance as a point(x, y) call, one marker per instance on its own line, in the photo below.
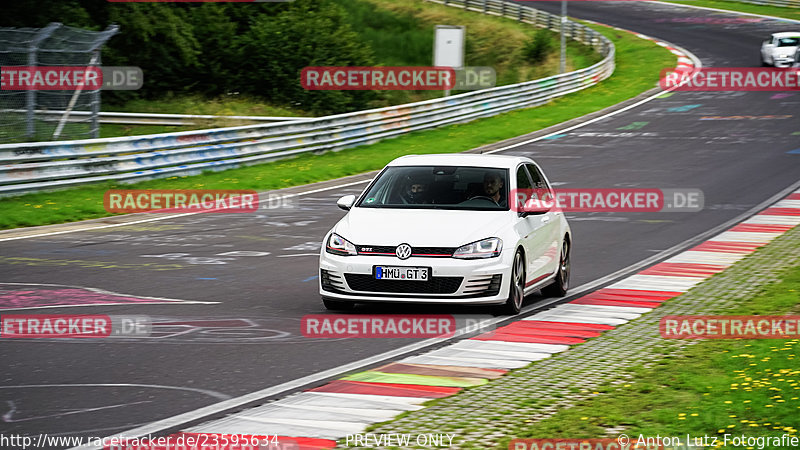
point(124, 118)
point(781, 3)
point(49, 165)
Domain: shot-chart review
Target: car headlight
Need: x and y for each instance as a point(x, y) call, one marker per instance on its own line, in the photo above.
point(340, 246)
point(486, 248)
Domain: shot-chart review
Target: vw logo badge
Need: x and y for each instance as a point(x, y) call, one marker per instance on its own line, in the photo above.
point(403, 251)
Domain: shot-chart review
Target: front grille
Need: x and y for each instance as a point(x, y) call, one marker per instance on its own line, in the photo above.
point(331, 281)
point(425, 252)
point(436, 285)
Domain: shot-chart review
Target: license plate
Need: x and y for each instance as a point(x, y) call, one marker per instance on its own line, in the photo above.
point(401, 273)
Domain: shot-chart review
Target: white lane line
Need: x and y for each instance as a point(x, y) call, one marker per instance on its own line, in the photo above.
point(155, 300)
point(298, 254)
point(213, 394)
point(155, 219)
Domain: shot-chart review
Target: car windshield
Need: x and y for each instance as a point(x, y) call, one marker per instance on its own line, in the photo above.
point(439, 187)
point(788, 42)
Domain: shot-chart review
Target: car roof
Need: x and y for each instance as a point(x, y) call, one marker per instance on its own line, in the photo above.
point(785, 34)
point(461, 159)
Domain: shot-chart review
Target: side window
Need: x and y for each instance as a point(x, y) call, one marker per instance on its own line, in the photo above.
point(537, 177)
point(524, 187)
point(523, 181)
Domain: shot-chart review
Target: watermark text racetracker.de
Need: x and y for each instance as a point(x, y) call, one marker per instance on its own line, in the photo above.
point(608, 200)
point(127, 201)
point(730, 327)
point(382, 78)
point(73, 326)
point(70, 78)
point(391, 325)
point(731, 79)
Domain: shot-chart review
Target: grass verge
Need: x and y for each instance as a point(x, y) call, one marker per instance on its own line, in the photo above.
point(777, 11)
point(630, 79)
point(719, 389)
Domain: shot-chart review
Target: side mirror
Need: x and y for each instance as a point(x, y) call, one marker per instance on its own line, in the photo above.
point(534, 210)
point(346, 202)
point(531, 202)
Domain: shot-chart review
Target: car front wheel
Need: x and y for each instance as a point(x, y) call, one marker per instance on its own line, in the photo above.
point(516, 291)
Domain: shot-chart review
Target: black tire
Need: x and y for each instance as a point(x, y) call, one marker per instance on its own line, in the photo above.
point(336, 305)
point(516, 289)
point(561, 282)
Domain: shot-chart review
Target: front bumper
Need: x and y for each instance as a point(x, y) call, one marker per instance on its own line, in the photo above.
point(783, 62)
point(453, 281)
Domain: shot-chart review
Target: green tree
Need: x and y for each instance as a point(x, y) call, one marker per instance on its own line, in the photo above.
point(276, 48)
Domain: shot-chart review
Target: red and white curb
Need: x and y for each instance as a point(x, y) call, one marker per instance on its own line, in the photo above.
point(316, 418)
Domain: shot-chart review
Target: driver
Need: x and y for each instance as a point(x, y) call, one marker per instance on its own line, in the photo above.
point(416, 191)
point(493, 186)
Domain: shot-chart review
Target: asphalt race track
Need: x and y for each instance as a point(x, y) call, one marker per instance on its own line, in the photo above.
point(226, 292)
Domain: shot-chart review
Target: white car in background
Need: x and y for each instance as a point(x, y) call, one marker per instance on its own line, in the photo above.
point(780, 49)
point(439, 229)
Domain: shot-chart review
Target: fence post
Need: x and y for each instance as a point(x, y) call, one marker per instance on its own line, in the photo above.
point(30, 95)
point(96, 100)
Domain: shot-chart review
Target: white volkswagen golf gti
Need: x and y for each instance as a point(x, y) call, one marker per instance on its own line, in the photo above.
point(447, 229)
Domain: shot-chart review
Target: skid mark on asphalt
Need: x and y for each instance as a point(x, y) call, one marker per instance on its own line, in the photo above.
point(17, 296)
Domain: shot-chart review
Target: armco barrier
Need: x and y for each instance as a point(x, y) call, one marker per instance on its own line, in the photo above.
point(781, 3)
point(49, 165)
point(126, 118)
